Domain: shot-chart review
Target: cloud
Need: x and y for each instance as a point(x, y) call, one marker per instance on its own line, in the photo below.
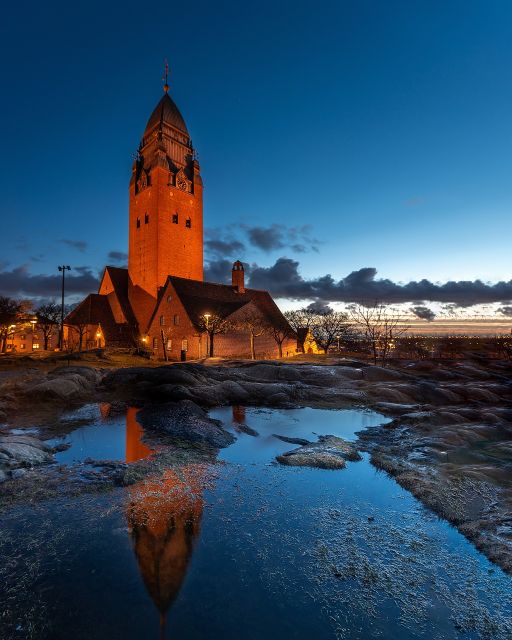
point(284, 281)
point(220, 247)
point(424, 313)
point(118, 256)
point(232, 241)
point(20, 282)
point(218, 271)
point(278, 236)
point(81, 245)
point(266, 238)
point(506, 310)
point(319, 306)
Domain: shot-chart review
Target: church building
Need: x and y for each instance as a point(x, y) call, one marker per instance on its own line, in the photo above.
point(161, 302)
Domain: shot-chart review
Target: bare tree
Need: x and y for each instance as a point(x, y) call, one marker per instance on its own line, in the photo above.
point(10, 312)
point(329, 326)
point(380, 325)
point(301, 320)
point(212, 324)
point(48, 317)
point(255, 325)
point(279, 332)
point(80, 328)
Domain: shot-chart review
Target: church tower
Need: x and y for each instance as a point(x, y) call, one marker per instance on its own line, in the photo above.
point(166, 207)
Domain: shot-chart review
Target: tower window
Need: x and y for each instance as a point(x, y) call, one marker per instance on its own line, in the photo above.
point(176, 319)
point(162, 321)
point(188, 223)
point(146, 218)
point(138, 223)
point(175, 218)
point(169, 298)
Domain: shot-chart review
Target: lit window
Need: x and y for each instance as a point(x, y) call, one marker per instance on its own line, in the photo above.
point(23, 336)
point(35, 345)
point(22, 346)
point(138, 223)
point(146, 218)
point(184, 345)
point(162, 321)
point(169, 344)
point(188, 223)
point(176, 319)
point(155, 343)
point(175, 218)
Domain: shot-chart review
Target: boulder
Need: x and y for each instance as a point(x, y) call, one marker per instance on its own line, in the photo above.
point(380, 374)
point(23, 451)
point(329, 452)
point(185, 420)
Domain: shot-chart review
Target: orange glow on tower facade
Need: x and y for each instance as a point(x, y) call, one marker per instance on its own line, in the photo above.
point(166, 207)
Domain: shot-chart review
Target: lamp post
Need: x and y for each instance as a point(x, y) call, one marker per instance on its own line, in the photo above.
point(207, 317)
point(62, 268)
point(33, 322)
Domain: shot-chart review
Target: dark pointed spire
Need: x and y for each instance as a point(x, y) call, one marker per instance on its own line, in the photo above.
point(165, 77)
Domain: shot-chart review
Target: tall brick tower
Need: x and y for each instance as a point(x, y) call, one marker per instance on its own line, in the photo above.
point(166, 207)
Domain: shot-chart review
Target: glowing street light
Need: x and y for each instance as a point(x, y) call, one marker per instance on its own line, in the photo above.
point(207, 317)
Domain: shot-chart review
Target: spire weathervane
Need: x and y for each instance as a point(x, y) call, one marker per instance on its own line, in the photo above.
point(166, 77)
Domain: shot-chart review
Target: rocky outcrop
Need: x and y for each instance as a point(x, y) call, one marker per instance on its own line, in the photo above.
point(18, 451)
point(185, 420)
point(329, 452)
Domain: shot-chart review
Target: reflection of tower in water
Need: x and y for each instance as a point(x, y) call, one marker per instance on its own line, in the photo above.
point(164, 516)
point(238, 414)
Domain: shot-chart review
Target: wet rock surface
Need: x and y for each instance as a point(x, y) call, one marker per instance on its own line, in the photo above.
point(329, 452)
point(185, 420)
point(451, 428)
point(17, 451)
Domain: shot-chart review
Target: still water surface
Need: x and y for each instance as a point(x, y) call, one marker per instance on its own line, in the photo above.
point(247, 549)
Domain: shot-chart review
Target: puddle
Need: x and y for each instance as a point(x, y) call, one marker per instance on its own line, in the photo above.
point(246, 549)
point(306, 423)
point(104, 437)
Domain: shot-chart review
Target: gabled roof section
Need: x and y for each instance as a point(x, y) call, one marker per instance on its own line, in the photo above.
point(119, 279)
point(95, 309)
point(200, 297)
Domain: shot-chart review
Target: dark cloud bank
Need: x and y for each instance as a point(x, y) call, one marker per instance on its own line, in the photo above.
point(284, 281)
point(19, 282)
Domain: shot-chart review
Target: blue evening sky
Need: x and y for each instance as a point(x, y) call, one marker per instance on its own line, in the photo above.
point(386, 126)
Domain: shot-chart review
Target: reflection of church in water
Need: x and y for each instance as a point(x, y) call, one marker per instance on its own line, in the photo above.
point(164, 516)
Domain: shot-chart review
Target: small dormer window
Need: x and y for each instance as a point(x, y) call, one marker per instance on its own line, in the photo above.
point(175, 218)
point(146, 218)
point(162, 321)
point(138, 223)
point(188, 223)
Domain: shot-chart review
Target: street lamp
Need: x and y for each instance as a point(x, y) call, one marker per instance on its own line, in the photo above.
point(207, 317)
point(33, 322)
point(62, 268)
point(98, 336)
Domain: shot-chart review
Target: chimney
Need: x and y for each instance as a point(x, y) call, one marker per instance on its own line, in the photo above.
point(238, 277)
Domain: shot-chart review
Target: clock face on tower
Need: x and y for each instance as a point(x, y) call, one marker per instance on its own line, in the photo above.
point(181, 184)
